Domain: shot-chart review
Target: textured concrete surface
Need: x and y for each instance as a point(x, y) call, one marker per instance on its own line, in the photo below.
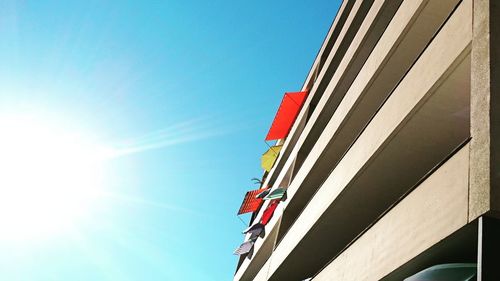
point(437, 208)
point(405, 38)
point(480, 112)
point(449, 49)
point(424, 109)
point(279, 173)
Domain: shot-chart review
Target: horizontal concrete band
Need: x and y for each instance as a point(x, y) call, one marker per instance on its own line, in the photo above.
point(434, 210)
point(407, 35)
point(330, 39)
point(288, 153)
point(448, 49)
point(298, 134)
point(374, 11)
point(381, 56)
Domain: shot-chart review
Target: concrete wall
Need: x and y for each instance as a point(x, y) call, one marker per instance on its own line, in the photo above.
point(437, 208)
point(405, 83)
point(485, 111)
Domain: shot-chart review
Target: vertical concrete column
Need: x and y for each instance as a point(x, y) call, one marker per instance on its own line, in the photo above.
point(488, 249)
point(484, 194)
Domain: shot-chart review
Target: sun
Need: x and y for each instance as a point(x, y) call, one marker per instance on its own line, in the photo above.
point(49, 178)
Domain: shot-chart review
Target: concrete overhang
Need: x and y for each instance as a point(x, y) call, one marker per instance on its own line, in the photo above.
point(361, 24)
point(376, 17)
point(410, 31)
point(428, 215)
point(421, 123)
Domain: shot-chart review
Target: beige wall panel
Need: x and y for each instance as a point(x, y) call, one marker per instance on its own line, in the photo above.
point(289, 162)
point(448, 47)
point(437, 208)
point(390, 40)
point(482, 105)
point(327, 39)
point(362, 32)
point(262, 275)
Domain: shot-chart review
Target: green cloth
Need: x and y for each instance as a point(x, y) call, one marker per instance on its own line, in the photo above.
point(269, 157)
point(275, 194)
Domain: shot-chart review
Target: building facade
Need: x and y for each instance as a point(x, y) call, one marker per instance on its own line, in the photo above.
point(393, 163)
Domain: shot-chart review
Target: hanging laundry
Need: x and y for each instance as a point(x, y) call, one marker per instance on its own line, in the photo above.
point(244, 248)
point(269, 211)
point(250, 203)
point(263, 193)
point(278, 193)
point(269, 157)
point(255, 229)
point(286, 115)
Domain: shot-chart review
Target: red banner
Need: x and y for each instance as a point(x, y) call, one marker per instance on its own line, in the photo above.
point(286, 115)
point(250, 202)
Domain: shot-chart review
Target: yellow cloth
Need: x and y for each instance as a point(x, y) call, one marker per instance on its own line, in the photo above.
point(268, 158)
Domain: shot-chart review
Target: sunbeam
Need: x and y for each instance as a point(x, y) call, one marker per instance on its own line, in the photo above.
point(179, 133)
point(139, 201)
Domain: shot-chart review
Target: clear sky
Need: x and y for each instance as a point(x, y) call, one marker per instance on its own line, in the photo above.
point(182, 92)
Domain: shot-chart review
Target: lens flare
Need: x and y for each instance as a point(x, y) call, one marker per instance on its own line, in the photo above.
point(48, 178)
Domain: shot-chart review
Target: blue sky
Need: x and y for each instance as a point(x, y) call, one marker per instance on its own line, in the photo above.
point(187, 89)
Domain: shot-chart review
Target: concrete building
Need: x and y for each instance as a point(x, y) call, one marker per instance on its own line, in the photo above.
point(393, 163)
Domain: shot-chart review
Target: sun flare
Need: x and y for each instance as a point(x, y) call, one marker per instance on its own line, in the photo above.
point(49, 178)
